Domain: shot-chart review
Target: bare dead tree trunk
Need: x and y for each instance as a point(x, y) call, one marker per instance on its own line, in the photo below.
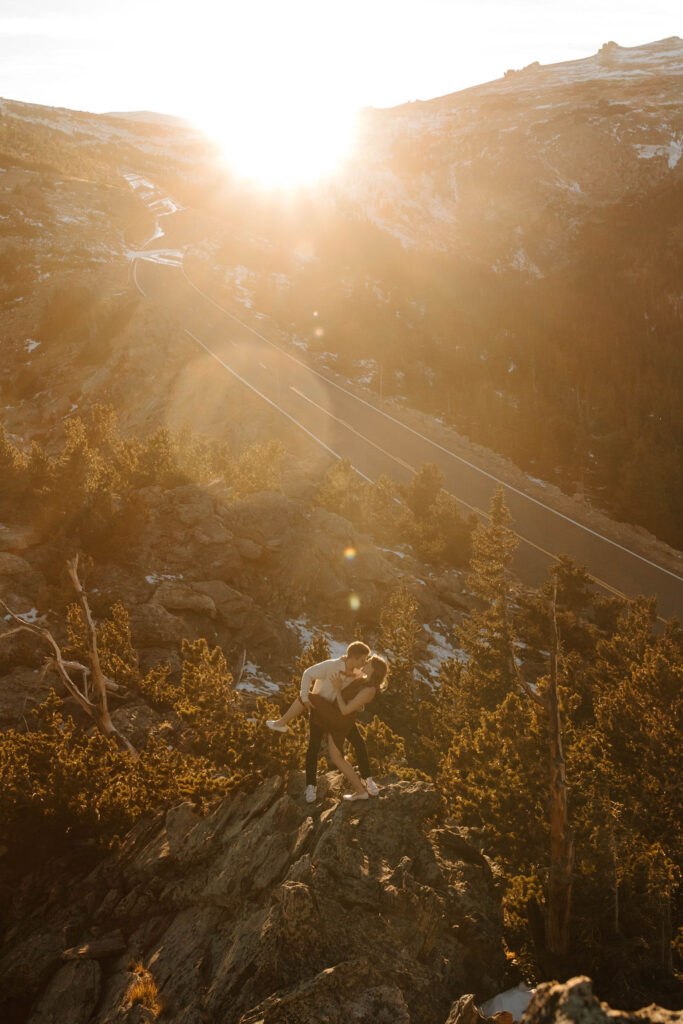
point(98, 709)
point(561, 836)
point(99, 683)
point(240, 668)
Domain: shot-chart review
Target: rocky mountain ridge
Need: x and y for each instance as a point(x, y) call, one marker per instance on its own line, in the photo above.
point(266, 909)
point(270, 911)
point(507, 172)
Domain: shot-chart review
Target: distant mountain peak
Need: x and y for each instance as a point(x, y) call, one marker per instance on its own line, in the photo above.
point(149, 115)
point(663, 56)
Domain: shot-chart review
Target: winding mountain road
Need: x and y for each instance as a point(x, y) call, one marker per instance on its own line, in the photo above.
point(375, 440)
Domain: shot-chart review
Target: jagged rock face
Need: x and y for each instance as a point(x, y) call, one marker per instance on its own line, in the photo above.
point(509, 171)
point(574, 1003)
point(238, 572)
point(268, 909)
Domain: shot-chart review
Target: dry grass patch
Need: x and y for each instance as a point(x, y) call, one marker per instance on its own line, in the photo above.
point(143, 990)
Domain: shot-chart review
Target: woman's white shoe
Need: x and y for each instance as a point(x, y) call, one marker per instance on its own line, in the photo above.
point(356, 796)
point(272, 724)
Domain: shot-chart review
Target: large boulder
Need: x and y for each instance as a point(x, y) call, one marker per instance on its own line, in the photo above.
point(13, 565)
point(20, 584)
point(136, 722)
point(176, 596)
point(192, 504)
point(261, 517)
point(18, 537)
point(574, 1002)
point(212, 531)
point(71, 995)
point(21, 690)
point(465, 1011)
point(152, 625)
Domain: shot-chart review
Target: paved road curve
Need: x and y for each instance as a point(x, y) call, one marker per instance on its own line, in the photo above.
point(377, 442)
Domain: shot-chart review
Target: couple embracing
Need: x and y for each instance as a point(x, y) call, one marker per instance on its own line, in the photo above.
point(333, 692)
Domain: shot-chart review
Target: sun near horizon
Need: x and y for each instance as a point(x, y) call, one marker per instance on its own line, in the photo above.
point(281, 142)
point(281, 97)
point(278, 86)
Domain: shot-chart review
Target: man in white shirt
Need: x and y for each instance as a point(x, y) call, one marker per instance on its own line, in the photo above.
point(318, 679)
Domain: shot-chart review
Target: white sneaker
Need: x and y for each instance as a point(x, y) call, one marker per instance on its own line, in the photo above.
point(272, 724)
point(355, 796)
point(311, 794)
point(371, 786)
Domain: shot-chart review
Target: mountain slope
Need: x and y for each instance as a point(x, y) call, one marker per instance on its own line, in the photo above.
point(508, 258)
point(497, 171)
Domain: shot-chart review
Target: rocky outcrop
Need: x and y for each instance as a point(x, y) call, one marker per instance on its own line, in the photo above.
point(466, 1011)
point(19, 582)
point(575, 1003)
point(244, 574)
point(76, 986)
point(18, 537)
point(267, 548)
point(268, 909)
point(21, 690)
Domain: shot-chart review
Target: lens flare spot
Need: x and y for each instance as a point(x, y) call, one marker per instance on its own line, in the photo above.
point(354, 602)
point(349, 553)
point(318, 332)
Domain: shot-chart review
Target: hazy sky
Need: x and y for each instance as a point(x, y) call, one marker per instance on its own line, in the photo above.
point(179, 57)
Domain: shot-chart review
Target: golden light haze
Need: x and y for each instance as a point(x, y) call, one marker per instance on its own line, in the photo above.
point(281, 142)
point(279, 84)
point(286, 112)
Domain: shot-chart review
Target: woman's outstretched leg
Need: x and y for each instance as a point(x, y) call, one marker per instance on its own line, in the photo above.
point(340, 762)
point(280, 724)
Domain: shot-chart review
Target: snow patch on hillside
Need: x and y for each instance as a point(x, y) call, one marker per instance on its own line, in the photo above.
point(439, 650)
point(255, 680)
point(673, 151)
point(305, 633)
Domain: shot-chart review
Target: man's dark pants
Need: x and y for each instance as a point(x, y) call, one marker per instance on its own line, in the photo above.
point(315, 738)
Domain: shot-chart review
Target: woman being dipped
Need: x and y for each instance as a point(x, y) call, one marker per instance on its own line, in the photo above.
point(337, 717)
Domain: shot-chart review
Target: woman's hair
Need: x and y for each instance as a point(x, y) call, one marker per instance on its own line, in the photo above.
point(380, 672)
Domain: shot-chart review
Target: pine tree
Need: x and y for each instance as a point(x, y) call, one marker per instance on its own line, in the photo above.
point(486, 635)
point(12, 465)
point(629, 793)
point(342, 491)
point(423, 490)
point(493, 548)
point(386, 749)
point(409, 703)
point(398, 637)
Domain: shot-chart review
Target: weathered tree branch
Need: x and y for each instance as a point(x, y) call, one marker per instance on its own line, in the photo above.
point(98, 709)
point(56, 661)
point(240, 671)
point(103, 718)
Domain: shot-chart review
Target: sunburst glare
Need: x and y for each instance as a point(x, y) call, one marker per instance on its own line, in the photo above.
point(282, 142)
